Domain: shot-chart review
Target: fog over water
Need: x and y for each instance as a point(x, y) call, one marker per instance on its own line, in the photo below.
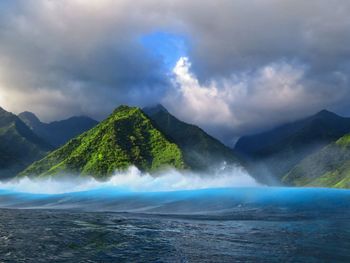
point(134, 180)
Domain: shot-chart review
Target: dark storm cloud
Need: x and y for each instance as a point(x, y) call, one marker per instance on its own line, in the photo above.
point(254, 64)
point(85, 58)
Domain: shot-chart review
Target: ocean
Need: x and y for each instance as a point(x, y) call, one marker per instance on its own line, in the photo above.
point(241, 224)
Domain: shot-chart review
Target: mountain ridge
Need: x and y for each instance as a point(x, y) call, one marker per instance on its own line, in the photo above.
point(19, 146)
point(279, 149)
point(58, 133)
point(201, 151)
point(328, 167)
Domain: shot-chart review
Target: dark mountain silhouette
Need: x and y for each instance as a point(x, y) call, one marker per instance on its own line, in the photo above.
point(19, 146)
point(272, 154)
point(201, 151)
point(58, 133)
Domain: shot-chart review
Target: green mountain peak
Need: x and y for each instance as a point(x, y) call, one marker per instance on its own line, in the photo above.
point(127, 137)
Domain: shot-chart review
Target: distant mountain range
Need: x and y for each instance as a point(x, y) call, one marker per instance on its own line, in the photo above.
point(273, 154)
point(19, 145)
point(314, 151)
point(57, 133)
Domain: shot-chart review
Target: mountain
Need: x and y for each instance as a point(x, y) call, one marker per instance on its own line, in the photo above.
point(127, 137)
point(59, 132)
point(19, 146)
point(329, 167)
point(274, 153)
point(200, 150)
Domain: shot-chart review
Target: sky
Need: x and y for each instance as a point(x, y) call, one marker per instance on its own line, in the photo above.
point(233, 67)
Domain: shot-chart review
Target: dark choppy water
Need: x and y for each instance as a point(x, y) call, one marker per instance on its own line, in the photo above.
point(218, 225)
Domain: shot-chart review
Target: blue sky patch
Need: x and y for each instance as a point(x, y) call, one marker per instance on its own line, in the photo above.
point(169, 47)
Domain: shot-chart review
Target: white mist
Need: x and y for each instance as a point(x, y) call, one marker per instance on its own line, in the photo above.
point(134, 180)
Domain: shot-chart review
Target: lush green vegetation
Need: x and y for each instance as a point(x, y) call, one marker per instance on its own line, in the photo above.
point(19, 146)
point(329, 167)
point(200, 150)
point(125, 138)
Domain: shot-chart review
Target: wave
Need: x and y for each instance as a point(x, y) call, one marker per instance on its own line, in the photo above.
point(227, 194)
point(257, 203)
point(134, 180)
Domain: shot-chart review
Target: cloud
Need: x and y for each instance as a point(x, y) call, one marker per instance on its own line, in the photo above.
point(246, 102)
point(83, 53)
point(254, 64)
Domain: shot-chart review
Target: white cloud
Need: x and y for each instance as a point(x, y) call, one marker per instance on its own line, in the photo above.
point(245, 101)
point(202, 102)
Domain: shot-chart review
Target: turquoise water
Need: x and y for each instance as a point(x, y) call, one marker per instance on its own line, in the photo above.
point(210, 225)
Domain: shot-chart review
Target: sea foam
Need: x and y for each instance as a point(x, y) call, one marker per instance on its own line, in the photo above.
point(134, 180)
